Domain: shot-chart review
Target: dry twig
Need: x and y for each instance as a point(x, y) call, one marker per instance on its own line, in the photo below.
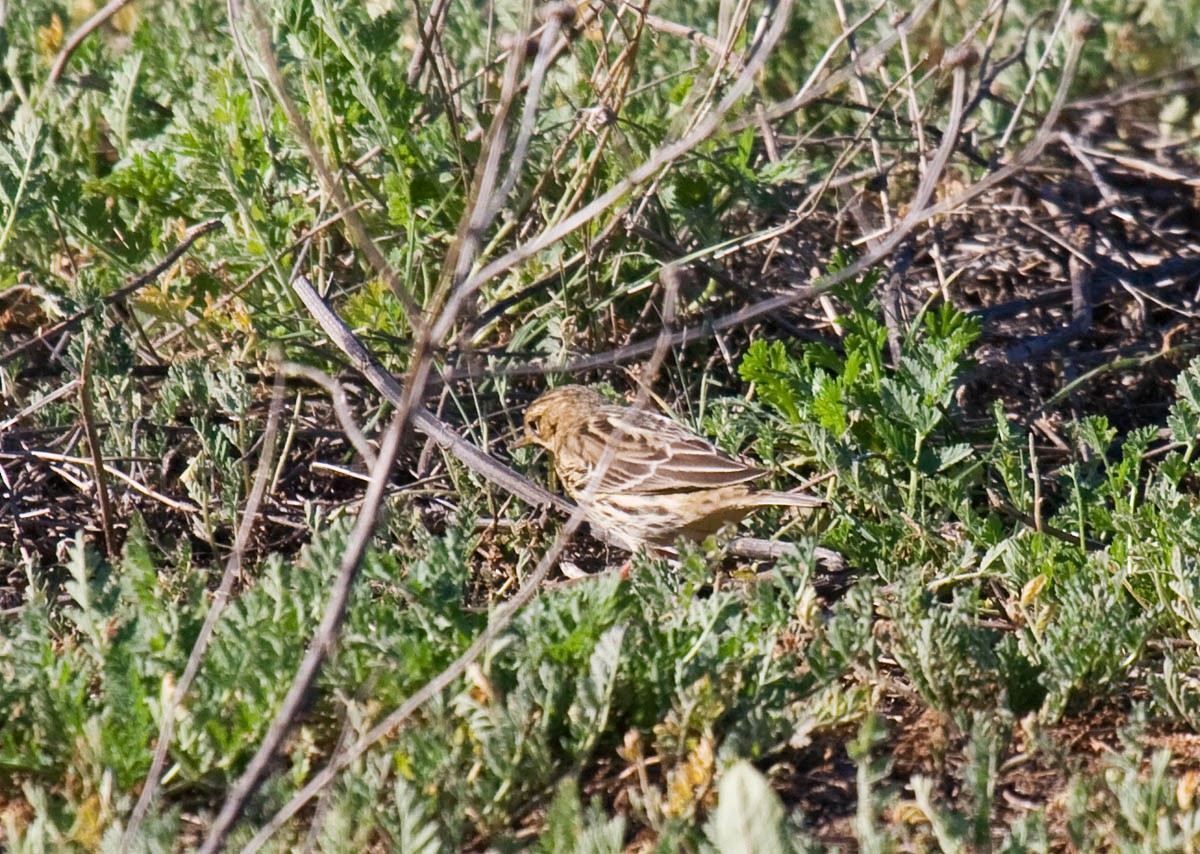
point(88, 27)
point(323, 638)
point(134, 284)
point(94, 448)
point(233, 568)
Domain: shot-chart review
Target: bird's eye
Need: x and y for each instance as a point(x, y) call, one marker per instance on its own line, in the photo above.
point(532, 427)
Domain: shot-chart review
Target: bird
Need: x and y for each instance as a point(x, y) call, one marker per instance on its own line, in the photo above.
point(644, 479)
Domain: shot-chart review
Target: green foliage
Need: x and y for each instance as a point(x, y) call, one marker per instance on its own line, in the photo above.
point(114, 632)
point(571, 827)
point(749, 816)
point(1137, 805)
point(891, 432)
point(1091, 642)
point(949, 660)
point(986, 588)
point(1084, 616)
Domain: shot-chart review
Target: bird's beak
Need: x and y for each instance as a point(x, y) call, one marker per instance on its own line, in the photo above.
point(524, 442)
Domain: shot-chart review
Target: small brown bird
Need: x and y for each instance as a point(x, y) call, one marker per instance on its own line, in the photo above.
point(642, 477)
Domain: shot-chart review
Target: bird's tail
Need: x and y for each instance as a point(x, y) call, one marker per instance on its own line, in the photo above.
point(786, 499)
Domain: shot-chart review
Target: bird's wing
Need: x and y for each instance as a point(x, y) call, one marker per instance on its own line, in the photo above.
point(654, 454)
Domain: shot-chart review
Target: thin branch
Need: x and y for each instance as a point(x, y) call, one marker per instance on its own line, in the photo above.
point(692, 34)
point(1035, 73)
point(487, 198)
point(355, 225)
point(662, 156)
point(93, 437)
point(758, 549)
point(89, 26)
point(423, 420)
point(541, 64)
point(1080, 265)
point(504, 615)
point(232, 570)
point(322, 642)
point(341, 406)
point(120, 293)
point(112, 471)
point(432, 23)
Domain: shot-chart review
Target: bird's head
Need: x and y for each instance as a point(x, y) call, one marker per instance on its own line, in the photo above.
point(554, 411)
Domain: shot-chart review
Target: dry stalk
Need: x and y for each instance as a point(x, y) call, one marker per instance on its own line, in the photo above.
point(354, 223)
point(425, 45)
point(423, 420)
point(86, 29)
point(323, 638)
point(138, 282)
point(94, 448)
point(341, 406)
point(233, 568)
point(664, 155)
point(111, 471)
point(662, 25)
point(486, 195)
point(920, 211)
point(499, 622)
